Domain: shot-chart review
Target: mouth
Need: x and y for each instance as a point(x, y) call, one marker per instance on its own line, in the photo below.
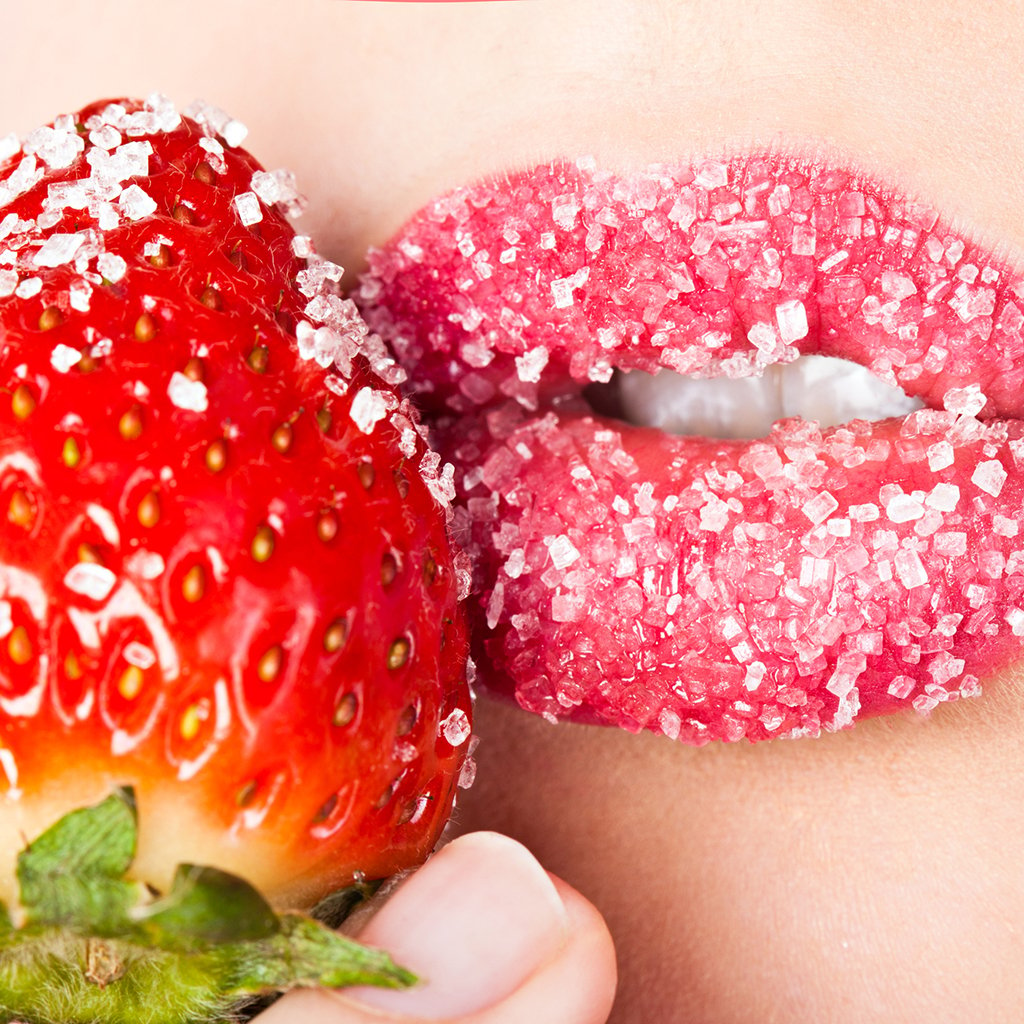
point(737, 445)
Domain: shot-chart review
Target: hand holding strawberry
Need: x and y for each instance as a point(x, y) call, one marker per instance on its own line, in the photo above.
point(227, 605)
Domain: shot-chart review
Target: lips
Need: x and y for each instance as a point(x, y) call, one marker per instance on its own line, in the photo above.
point(698, 587)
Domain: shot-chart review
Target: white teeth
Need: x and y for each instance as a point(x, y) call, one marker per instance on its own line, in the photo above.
point(831, 391)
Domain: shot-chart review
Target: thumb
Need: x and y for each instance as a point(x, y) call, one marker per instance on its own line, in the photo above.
point(494, 940)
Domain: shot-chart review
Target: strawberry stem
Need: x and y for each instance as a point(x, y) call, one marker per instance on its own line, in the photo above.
point(94, 946)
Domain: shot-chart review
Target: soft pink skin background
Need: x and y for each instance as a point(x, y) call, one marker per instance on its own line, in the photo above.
point(868, 875)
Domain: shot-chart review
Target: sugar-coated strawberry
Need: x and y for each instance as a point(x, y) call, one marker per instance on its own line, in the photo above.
point(228, 608)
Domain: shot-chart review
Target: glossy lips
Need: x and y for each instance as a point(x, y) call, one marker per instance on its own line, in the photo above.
point(702, 588)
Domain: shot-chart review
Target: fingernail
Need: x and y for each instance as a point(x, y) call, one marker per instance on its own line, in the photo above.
point(473, 924)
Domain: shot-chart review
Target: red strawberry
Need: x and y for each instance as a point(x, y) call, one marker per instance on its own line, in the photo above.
point(224, 575)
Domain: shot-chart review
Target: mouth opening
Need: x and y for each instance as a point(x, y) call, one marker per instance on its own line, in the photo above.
point(828, 390)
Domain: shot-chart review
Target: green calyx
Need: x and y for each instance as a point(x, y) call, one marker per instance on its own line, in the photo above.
point(91, 946)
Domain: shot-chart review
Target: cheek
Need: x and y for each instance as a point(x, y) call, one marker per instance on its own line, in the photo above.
point(848, 871)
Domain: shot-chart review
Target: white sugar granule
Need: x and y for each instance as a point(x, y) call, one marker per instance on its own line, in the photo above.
point(368, 409)
point(247, 206)
point(455, 728)
point(58, 249)
point(111, 266)
point(63, 357)
point(989, 477)
point(186, 393)
point(90, 580)
point(135, 204)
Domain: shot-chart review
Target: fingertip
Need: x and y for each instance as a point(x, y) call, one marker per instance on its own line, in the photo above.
point(578, 985)
point(495, 938)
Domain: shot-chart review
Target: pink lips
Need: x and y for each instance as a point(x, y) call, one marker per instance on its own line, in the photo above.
point(696, 587)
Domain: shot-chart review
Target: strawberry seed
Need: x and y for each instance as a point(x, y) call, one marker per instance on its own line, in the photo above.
point(326, 809)
point(262, 544)
point(247, 793)
point(335, 636)
point(71, 454)
point(269, 666)
point(192, 719)
point(367, 474)
point(20, 511)
point(388, 569)
point(205, 173)
point(282, 438)
point(162, 258)
point(130, 424)
point(130, 683)
point(327, 526)
point(23, 402)
point(148, 512)
point(193, 584)
point(183, 214)
point(194, 369)
point(259, 359)
point(50, 318)
point(19, 646)
point(145, 327)
point(217, 455)
point(345, 712)
point(406, 721)
point(398, 653)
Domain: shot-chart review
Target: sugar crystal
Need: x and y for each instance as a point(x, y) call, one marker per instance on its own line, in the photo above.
point(910, 569)
point(140, 655)
point(135, 204)
point(820, 507)
point(247, 206)
point(902, 508)
point(57, 147)
point(943, 497)
point(111, 266)
point(990, 476)
point(563, 552)
point(91, 580)
point(967, 401)
point(146, 565)
point(940, 456)
point(456, 728)
point(58, 249)
point(531, 365)
point(186, 393)
point(63, 357)
point(29, 287)
point(214, 154)
point(791, 316)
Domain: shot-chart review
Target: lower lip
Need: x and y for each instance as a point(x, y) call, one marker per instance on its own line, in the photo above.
point(709, 589)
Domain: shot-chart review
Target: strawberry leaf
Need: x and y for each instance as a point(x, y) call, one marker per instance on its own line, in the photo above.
point(305, 953)
point(211, 943)
point(72, 874)
point(206, 906)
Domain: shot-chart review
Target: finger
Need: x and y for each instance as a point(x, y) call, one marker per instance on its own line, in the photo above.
point(494, 939)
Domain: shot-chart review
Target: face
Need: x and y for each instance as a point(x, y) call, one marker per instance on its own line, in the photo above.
point(810, 879)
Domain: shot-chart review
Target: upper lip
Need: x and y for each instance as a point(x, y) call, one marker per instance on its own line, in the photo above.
point(943, 312)
point(526, 288)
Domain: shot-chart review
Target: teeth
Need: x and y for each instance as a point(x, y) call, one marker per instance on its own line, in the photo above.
point(831, 391)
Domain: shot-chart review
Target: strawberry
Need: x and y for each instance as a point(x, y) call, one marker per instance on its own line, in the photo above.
point(229, 630)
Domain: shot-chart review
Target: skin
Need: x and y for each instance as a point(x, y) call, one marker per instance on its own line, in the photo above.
point(872, 874)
